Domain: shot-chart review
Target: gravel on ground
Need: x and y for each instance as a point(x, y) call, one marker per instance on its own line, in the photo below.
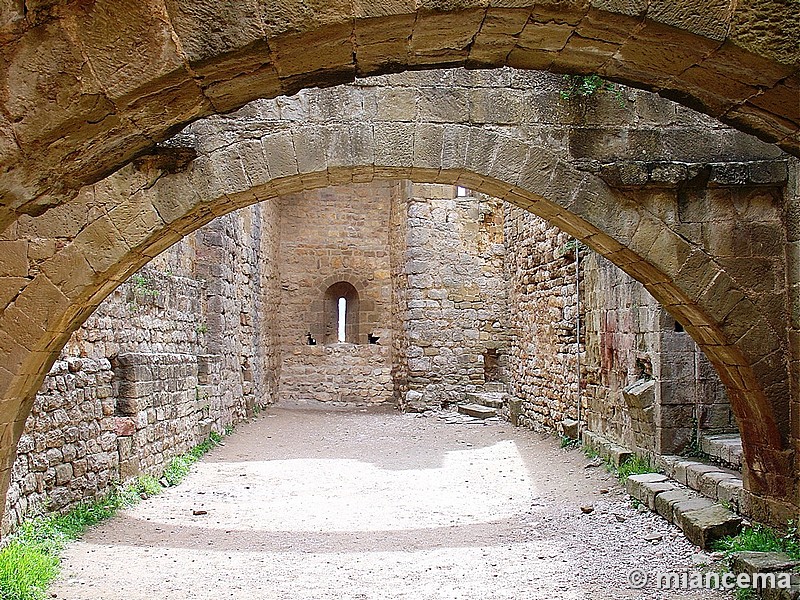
point(355, 503)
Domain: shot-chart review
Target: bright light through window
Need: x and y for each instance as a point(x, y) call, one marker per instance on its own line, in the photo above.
point(461, 191)
point(342, 313)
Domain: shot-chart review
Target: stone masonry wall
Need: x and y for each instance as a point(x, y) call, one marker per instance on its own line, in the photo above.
point(457, 305)
point(236, 259)
point(327, 237)
point(541, 274)
point(398, 234)
point(180, 349)
point(631, 339)
point(643, 380)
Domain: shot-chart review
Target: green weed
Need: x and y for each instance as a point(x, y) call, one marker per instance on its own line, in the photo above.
point(759, 538)
point(590, 452)
point(635, 465)
point(29, 559)
point(746, 594)
point(568, 442)
point(585, 86)
point(26, 570)
point(178, 468)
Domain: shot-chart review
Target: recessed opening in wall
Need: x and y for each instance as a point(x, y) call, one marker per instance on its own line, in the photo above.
point(678, 327)
point(341, 310)
point(491, 365)
point(461, 191)
point(644, 367)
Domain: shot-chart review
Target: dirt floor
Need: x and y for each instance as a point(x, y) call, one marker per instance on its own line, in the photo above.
point(310, 503)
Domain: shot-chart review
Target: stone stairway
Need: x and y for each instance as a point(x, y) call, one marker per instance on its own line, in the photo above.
point(724, 448)
point(486, 403)
point(717, 483)
point(701, 520)
point(700, 498)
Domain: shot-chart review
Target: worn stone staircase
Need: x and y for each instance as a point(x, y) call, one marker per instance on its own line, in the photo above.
point(724, 448)
point(700, 498)
point(486, 403)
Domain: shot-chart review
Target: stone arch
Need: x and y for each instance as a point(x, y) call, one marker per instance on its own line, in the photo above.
point(88, 90)
point(149, 209)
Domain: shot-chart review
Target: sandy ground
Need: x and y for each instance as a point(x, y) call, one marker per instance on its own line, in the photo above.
point(355, 504)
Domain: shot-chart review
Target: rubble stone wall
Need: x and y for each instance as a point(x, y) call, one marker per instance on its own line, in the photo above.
point(330, 237)
point(541, 273)
point(456, 301)
point(182, 348)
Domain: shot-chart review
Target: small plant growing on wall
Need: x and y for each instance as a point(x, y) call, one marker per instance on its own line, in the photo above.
point(142, 290)
point(586, 86)
point(568, 250)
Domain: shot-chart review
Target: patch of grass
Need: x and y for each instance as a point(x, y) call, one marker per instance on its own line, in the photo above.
point(146, 485)
point(568, 442)
point(759, 538)
point(29, 558)
point(746, 594)
point(635, 465)
point(178, 468)
point(25, 571)
point(590, 452)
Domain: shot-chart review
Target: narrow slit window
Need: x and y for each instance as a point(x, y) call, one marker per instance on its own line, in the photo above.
point(339, 315)
point(342, 318)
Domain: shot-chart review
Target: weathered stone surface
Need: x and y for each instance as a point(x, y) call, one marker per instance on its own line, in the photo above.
point(703, 526)
point(327, 239)
point(647, 487)
point(237, 53)
point(762, 562)
point(666, 502)
point(450, 268)
point(570, 428)
point(491, 399)
point(726, 448)
point(477, 410)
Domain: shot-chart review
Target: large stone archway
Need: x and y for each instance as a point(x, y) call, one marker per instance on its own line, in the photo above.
point(115, 226)
point(88, 86)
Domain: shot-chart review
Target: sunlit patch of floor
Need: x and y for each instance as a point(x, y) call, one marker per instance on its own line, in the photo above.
point(471, 486)
point(442, 573)
point(310, 504)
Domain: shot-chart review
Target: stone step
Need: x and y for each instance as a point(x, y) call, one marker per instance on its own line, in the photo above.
point(477, 410)
point(495, 386)
point(701, 520)
point(607, 449)
point(715, 482)
point(770, 562)
point(725, 448)
point(570, 428)
point(490, 399)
